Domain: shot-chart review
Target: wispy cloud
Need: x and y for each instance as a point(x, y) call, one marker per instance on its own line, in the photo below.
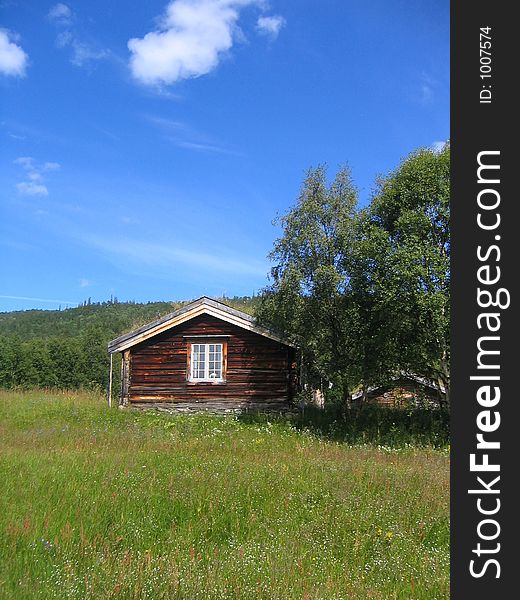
point(185, 136)
point(34, 176)
point(13, 59)
point(203, 147)
point(168, 256)
point(169, 124)
point(82, 52)
point(126, 220)
point(427, 90)
point(84, 282)
point(45, 300)
point(191, 39)
point(270, 26)
point(29, 188)
point(61, 14)
point(21, 131)
point(426, 94)
point(18, 245)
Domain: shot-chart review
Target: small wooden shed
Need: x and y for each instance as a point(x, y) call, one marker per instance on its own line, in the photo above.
point(206, 356)
point(403, 391)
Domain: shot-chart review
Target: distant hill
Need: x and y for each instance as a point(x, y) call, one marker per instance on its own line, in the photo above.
point(68, 348)
point(112, 318)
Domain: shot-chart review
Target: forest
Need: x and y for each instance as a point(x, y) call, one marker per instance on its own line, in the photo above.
point(67, 349)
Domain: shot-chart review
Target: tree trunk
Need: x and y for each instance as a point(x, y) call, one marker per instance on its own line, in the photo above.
point(347, 401)
point(445, 380)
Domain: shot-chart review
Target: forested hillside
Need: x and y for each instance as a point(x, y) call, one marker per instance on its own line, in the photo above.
point(68, 348)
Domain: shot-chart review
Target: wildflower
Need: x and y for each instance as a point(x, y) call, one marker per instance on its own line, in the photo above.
point(46, 544)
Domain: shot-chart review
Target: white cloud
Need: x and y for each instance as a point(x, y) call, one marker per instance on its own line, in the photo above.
point(34, 185)
point(270, 26)
point(29, 188)
point(13, 60)
point(190, 41)
point(64, 38)
point(26, 161)
point(51, 166)
point(82, 52)
point(61, 14)
point(84, 282)
point(438, 146)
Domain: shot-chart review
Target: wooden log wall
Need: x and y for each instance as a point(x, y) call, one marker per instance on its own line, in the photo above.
point(259, 371)
point(402, 395)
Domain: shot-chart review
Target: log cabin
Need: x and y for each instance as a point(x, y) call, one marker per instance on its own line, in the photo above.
point(403, 391)
point(206, 356)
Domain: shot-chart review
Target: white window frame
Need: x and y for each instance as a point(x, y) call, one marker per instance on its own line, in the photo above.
point(206, 378)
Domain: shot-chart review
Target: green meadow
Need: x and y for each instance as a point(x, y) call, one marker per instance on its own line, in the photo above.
point(106, 503)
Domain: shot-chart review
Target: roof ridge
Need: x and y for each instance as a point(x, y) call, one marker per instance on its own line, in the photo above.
point(122, 341)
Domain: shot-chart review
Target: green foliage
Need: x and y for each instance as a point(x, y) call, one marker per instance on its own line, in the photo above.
point(112, 318)
point(365, 293)
point(308, 298)
point(379, 425)
point(98, 503)
point(68, 349)
point(401, 270)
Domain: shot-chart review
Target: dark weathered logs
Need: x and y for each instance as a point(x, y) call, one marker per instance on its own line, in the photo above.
point(258, 370)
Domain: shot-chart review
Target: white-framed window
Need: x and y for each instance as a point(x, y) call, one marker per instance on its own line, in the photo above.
point(207, 362)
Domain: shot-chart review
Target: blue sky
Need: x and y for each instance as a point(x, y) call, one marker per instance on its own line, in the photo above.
point(146, 147)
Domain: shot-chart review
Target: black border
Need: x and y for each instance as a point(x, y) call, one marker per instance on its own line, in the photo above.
point(476, 127)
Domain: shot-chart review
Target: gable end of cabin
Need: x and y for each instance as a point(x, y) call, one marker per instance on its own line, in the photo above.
point(206, 360)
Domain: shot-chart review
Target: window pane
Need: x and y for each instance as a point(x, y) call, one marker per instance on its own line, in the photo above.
point(198, 361)
point(215, 361)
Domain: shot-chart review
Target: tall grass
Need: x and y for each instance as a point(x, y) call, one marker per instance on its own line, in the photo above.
point(98, 503)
